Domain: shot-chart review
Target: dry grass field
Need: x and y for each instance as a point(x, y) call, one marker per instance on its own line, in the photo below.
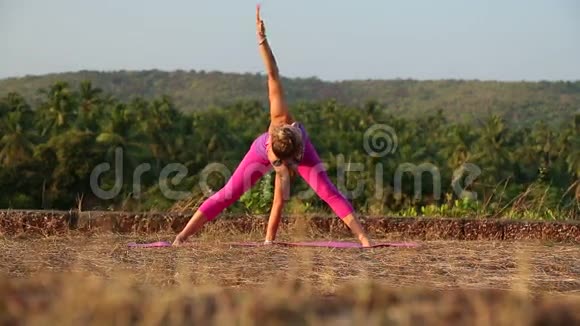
point(96, 279)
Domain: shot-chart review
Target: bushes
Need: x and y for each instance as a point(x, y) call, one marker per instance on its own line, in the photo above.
point(524, 170)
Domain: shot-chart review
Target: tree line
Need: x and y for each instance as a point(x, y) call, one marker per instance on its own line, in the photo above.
point(49, 149)
point(460, 100)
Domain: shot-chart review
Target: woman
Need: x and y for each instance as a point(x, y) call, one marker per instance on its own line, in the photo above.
point(287, 149)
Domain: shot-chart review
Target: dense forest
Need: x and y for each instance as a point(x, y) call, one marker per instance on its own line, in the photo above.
point(516, 102)
point(50, 145)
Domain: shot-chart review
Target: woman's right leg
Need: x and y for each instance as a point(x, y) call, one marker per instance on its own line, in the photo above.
point(252, 167)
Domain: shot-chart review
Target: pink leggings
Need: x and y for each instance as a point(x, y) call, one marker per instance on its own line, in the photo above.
point(254, 166)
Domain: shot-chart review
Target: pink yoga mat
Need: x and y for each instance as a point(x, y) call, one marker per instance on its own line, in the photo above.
point(323, 244)
point(327, 244)
point(160, 244)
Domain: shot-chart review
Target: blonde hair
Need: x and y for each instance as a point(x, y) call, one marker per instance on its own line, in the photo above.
point(287, 142)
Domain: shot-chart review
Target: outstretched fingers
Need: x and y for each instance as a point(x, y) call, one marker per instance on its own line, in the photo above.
point(259, 19)
point(261, 29)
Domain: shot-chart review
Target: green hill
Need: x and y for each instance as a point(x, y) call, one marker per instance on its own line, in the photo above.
point(518, 102)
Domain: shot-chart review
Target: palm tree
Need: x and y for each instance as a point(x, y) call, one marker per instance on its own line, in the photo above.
point(573, 157)
point(90, 110)
point(13, 102)
point(545, 147)
point(16, 134)
point(58, 111)
point(16, 142)
point(491, 154)
point(67, 161)
point(456, 145)
point(120, 131)
point(157, 124)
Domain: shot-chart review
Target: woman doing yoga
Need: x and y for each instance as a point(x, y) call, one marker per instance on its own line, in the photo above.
point(284, 146)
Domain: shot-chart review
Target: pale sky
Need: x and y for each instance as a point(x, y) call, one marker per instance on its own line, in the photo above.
point(329, 39)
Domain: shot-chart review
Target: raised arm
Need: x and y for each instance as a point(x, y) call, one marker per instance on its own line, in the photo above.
point(279, 113)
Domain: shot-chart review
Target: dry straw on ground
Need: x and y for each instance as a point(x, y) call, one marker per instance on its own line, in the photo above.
point(96, 279)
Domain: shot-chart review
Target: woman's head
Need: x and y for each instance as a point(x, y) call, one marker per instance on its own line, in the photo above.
point(286, 142)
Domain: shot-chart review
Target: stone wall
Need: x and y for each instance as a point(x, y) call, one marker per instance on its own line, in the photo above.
point(18, 222)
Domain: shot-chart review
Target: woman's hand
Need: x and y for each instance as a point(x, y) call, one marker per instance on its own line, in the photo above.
point(260, 27)
point(278, 107)
point(179, 241)
point(353, 223)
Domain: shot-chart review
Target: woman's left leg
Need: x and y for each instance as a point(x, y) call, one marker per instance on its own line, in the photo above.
point(313, 172)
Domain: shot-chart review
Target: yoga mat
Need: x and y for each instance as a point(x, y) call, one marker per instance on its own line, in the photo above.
point(160, 244)
point(320, 244)
point(327, 244)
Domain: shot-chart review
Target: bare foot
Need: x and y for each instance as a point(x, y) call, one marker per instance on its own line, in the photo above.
point(365, 242)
